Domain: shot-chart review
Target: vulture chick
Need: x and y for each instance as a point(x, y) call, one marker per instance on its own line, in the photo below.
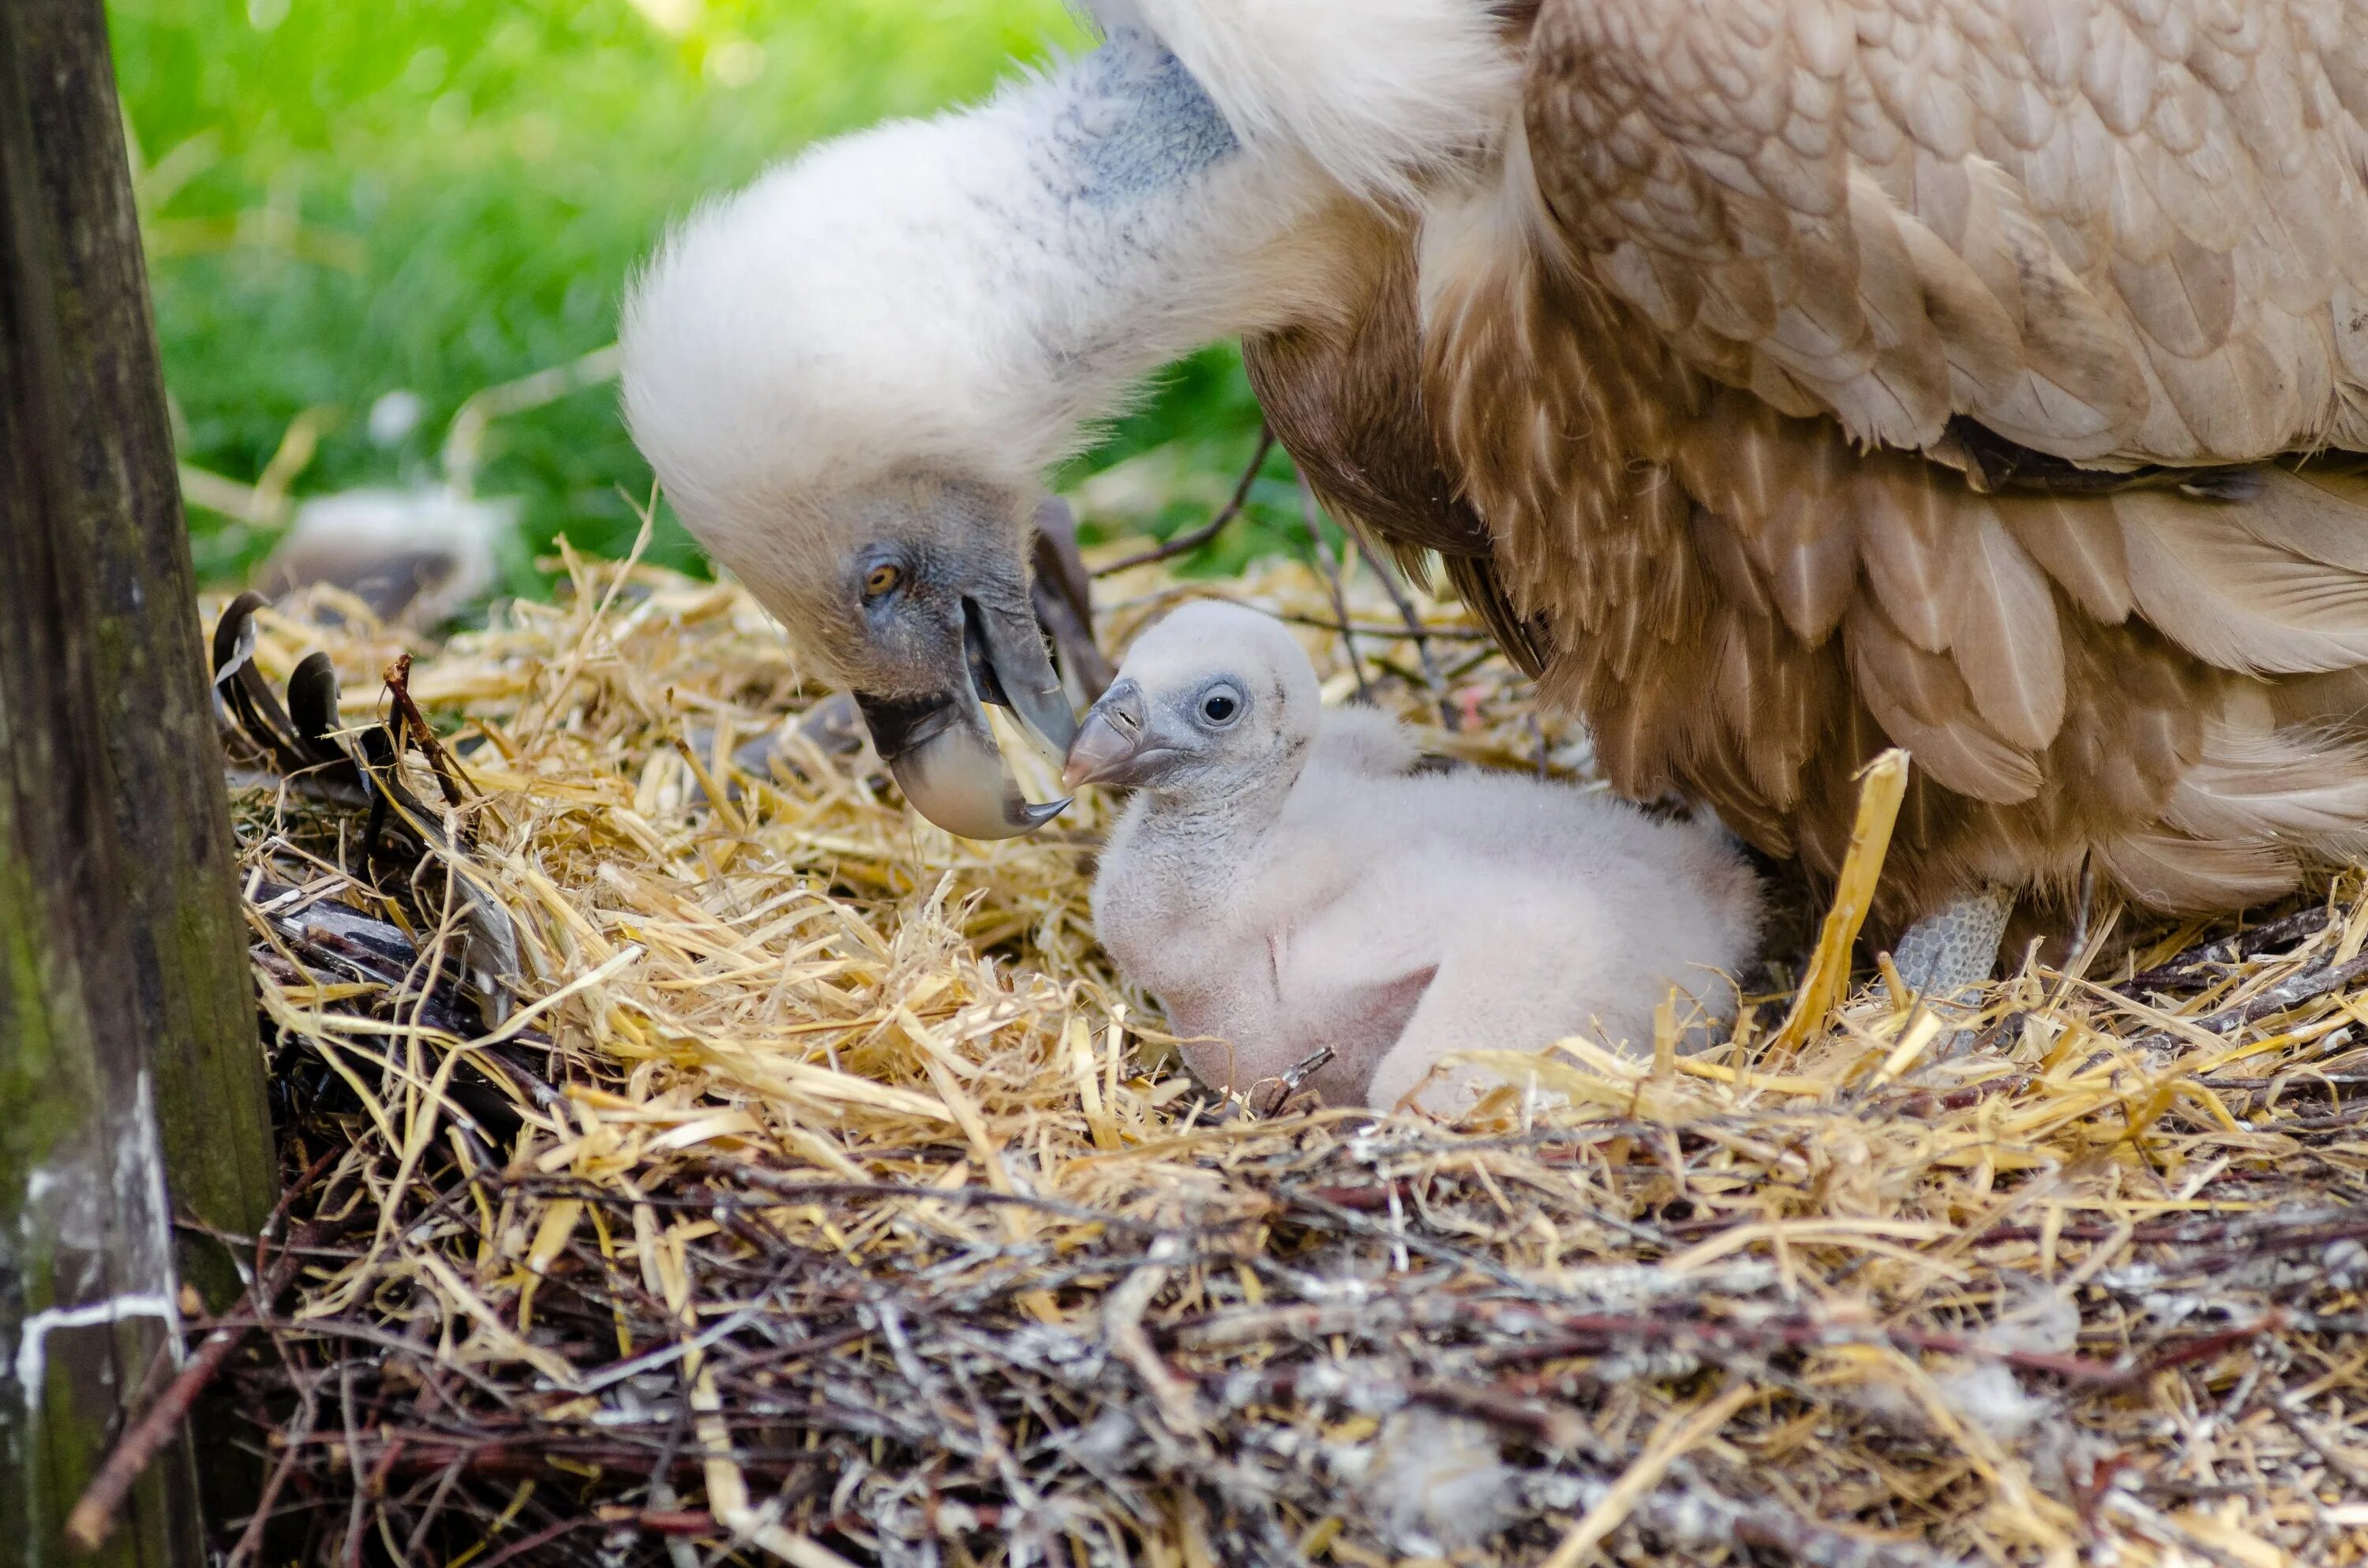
point(1782, 383)
point(1284, 880)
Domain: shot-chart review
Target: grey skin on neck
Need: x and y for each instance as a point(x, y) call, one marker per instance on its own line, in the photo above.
point(1142, 123)
point(1239, 810)
point(1180, 862)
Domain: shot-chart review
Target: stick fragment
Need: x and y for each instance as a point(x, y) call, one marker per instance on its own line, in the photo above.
point(1882, 786)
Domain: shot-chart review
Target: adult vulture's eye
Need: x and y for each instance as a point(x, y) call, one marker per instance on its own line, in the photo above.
point(1221, 707)
point(880, 580)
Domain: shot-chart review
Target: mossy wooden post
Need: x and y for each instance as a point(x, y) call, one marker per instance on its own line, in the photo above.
point(127, 1024)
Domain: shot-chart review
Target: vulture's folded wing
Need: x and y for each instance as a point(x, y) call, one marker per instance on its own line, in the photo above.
point(2109, 230)
point(1345, 395)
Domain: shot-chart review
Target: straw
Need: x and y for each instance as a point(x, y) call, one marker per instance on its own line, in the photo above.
point(827, 1198)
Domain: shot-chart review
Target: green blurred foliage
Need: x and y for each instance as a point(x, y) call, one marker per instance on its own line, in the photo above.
point(344, 199)
point(1201, 418)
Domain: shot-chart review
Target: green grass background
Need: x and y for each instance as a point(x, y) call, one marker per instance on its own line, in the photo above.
point(345, 198)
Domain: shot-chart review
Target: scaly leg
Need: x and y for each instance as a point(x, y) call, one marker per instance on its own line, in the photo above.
point(1955, 948)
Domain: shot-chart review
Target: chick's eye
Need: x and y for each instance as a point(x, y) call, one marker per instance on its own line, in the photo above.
point(881, 579)
point(1219, 707)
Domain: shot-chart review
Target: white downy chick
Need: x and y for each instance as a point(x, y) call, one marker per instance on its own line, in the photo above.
point(1284, 879)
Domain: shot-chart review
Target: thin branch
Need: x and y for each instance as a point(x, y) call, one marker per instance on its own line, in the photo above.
point(1392, 634)
point(299, 1427)
point(1193, 539)
point(1416, 631)
point(2206, 960)
point(1311, 512)
point(93, 1518)
point(412, 724)
point(2290, 993)
point(542, 1537)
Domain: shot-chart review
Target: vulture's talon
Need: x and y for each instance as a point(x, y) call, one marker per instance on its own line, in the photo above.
point(1263, 1098)
point(1287, 1094)
point(1954, 949)
point(1946, 957)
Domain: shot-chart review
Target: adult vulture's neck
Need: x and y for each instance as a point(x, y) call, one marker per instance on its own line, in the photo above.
point(1141, 227)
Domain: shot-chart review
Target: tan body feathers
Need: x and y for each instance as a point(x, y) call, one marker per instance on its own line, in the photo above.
point(1832, 376)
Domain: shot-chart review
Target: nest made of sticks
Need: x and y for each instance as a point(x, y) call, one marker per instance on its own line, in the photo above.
point(801, 1186)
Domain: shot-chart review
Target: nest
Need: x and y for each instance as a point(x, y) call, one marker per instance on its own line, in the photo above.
point(801, 1186)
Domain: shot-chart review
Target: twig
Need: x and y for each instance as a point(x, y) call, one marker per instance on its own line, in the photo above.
point(2203, 1348)
point(1587, 1332)
point(250, 1539)
point(1311, 512)
point(449, 1478)
point(1271, 1094)
point(2298, 1238)
point(1122, 1311)
point(2188, 967)
point(359, 1510)
point(415, 1454)
point(792, 1186)
point(1506, 1407)
point(1699, 1517)
point(1416, 630)
point(1192, 539)
point(93, 1518)
point(413, 724)
point(2292, 991)
point(542, 1537)
point(1392, 634)
point(2305, 987)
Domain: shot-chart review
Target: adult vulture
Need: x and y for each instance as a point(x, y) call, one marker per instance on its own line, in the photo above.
point(1782, 379)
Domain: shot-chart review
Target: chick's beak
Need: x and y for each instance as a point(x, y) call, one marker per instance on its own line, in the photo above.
point(1110, 744)
point(940, 747)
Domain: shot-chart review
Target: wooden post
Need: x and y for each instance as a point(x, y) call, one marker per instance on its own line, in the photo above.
point(129, 1064)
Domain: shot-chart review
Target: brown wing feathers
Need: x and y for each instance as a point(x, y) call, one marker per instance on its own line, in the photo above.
point(1830, 602)
point(2007, 646)
point(2113, 232)
point(2071, 254)
point(1346, 400)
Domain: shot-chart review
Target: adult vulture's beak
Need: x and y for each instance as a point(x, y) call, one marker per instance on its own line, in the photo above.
point(940, 747)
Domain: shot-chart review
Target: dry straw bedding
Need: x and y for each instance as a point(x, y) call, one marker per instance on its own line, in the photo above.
point(821, 1197)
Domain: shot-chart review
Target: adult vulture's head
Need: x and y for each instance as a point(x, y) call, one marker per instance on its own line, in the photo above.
point(851, 375)
point(842, 410)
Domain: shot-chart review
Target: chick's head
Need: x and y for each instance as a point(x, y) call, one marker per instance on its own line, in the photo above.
point(1213, 698)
